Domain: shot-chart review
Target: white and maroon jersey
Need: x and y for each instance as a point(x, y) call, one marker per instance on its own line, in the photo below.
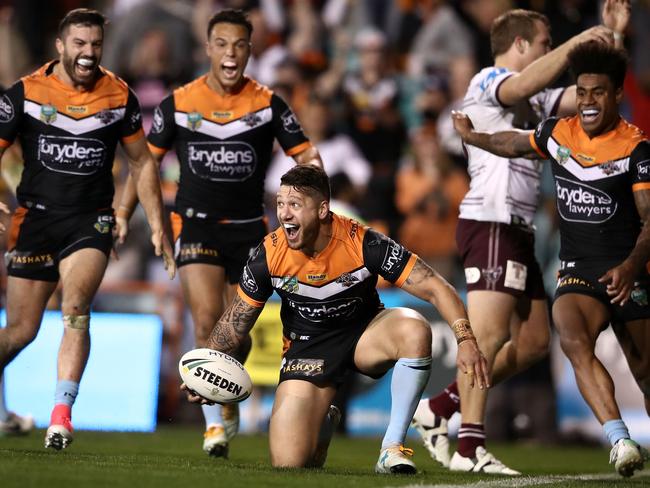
point(501, 188)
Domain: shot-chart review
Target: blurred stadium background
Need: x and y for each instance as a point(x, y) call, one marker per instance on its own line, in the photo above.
point(373, 83)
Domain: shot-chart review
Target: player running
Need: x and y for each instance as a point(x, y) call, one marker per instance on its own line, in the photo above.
point(69, 116)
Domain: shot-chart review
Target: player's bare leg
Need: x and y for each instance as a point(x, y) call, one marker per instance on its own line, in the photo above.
point(81, 274)
point(490, 314)
point(528, 343)
point(579, 320)
point(398, 338)
point(298, 412)
point(206, 291)
point(634, 338)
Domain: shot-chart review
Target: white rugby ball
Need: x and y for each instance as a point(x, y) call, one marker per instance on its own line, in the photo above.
point(215, 376)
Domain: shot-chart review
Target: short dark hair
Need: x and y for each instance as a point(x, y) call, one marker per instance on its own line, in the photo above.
point(598, 58)
point(83, 16)
point(230, 16)
point(308, 179)
point(512, 24)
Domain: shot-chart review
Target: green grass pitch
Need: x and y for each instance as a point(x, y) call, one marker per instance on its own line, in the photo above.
point(172, 457)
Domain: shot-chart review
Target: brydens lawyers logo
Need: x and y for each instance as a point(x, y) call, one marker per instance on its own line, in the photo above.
point(340, 308)
point(222, 161)
point(71, 155)
point(577, 202)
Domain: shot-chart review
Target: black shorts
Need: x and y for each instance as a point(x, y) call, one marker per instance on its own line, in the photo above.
point(499, 257)
point(208, 241)
point(324, 359)
point(582, 278)
point(40, 239)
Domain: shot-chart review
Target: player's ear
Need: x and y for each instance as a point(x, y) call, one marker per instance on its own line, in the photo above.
point(59, 46)
point(323, 209)
point(619, 95)
point(521, 44)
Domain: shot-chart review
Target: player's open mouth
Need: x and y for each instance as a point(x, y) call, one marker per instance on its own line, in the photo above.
point(229, 69)
point(291, 230)
point(85, 66)
point(589, 114)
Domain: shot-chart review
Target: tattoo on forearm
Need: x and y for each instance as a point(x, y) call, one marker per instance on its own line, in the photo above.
point(507, 144)
point(233, 326)
point(420, 272)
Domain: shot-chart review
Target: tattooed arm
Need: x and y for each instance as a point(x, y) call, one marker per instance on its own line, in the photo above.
point(233, 327)
point(507, 144)
point(425, 283)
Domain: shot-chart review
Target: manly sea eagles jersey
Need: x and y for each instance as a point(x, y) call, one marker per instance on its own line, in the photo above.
point(68, 137)
point(335, 289)
point(501, 188)
point(224, 144)
point(594, 182)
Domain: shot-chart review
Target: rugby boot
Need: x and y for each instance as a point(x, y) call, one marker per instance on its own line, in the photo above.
point(395, 460)
point(627, 457)
point(215, 442)
point(16, 425)
point(434, 432)
point(59, 435)
point(482, 462)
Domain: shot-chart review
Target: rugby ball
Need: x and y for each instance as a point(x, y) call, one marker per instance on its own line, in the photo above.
point(215, 376)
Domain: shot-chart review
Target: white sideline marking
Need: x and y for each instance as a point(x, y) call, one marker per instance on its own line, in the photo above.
point(522, 481)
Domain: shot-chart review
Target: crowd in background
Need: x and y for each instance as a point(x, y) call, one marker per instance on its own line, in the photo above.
point(373, 83)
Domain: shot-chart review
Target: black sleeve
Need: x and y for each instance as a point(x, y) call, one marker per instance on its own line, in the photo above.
point(640, 162)
point(132, 121)
point(11, 112)
point(286, 126)
point(255, 280)
point(543, 133)
point(384, 256)
point(163, 129)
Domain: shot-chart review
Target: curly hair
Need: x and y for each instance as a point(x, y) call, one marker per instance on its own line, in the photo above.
point(598, 58)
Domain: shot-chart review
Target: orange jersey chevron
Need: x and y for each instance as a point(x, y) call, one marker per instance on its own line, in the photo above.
point(68, 137)
point(224, 144)
point(335, 289)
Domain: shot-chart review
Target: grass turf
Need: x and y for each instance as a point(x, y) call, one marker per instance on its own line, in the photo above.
point(172, 457)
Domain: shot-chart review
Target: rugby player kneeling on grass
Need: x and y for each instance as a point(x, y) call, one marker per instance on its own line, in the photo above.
point(325, 268)
point(601, 166)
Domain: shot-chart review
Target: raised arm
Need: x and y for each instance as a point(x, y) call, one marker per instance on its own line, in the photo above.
point(545, 70)
point(423, 282)
point(144, 171)
point(507, 144)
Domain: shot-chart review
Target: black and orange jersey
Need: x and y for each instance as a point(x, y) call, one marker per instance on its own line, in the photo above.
point(68, 137)
point(594, 181)
point(335, 289)
point(224, 144)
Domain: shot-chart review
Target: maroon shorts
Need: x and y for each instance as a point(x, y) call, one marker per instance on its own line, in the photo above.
point(499, 257)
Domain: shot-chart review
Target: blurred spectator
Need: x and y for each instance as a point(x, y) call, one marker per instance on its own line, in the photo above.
point(371, 93)
point(429, 192)
point(442, 43)
point(338, 151)
point(173, 18)
point(15, 59)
